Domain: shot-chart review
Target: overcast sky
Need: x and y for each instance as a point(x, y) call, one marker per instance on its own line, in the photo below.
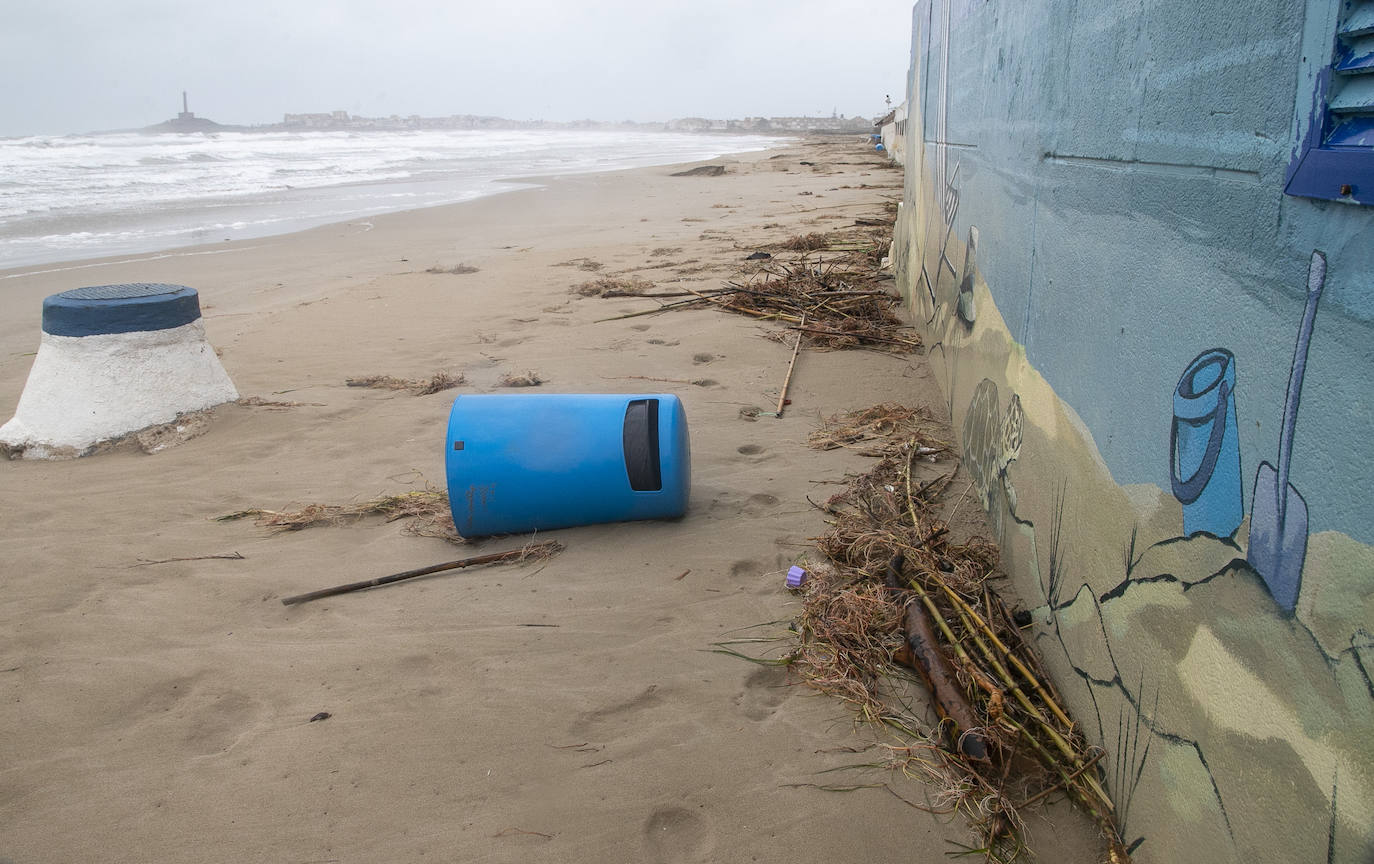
point(84, 65)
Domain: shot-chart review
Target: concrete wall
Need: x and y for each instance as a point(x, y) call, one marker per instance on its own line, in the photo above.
point(1095, 241)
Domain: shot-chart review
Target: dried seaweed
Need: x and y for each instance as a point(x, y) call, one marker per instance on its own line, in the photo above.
point(529, 379)
point(805, 242)
point(455, 270)
point(608, 286)
point(419, 386)
point(880, 430)
point(429, 510)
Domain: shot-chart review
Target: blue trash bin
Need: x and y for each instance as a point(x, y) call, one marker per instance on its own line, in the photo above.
point(532, 462)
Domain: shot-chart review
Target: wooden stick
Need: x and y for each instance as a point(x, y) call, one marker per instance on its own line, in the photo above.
point(539, 549)
point(662, 308)
point(796, 349)
point(950, 702)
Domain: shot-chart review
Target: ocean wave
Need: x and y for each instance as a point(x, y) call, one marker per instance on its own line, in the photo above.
point(127, 192)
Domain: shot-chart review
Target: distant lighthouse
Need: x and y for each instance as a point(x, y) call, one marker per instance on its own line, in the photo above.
point(186, 121)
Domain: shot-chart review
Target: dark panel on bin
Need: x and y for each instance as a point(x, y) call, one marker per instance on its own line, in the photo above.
point(641, 445)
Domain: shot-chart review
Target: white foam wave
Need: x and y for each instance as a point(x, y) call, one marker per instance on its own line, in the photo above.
point(92, 195)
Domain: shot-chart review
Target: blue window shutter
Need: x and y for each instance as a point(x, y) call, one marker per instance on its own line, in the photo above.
point(1336, 161)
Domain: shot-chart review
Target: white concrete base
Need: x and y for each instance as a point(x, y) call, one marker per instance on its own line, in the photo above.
point(86, 389)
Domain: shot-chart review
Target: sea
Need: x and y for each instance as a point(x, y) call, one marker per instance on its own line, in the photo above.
point(74, 197)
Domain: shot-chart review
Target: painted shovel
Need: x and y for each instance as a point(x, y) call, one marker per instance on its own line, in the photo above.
point(1278, 514)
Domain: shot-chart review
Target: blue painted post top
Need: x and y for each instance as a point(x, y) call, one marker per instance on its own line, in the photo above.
point(133, 308)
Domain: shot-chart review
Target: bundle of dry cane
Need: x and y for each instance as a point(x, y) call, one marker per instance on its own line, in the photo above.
point(898, 591)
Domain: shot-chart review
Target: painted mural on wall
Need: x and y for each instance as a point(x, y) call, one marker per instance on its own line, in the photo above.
point(1218, 648)
point(1278, 514)
point(1204, 460)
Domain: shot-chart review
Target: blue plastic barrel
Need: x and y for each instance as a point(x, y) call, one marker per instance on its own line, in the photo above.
point(1204, 452)
point(531, 462)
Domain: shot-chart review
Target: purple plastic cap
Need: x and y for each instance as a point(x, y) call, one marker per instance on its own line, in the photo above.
point(795, 577)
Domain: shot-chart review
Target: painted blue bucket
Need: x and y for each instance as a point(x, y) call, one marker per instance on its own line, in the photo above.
point(532, 462)
point(1204, 453)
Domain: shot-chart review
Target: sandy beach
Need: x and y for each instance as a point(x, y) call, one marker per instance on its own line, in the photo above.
point(565, 710)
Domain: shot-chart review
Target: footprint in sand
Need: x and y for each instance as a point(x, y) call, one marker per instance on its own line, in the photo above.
point(211, 721)
point(760, 501)
point(727, 505)
point(676, 834)
point(702, 358)
point(745, 567)
point(597, 719)
point(757, 451)
point(764, 690)
point(640, 327)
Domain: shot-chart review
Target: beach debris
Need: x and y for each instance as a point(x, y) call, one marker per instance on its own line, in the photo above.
point(880, 430)
point(921, 652)
point(532, 552)
point(701, 171)
point(520, 832)
point(795, 576)
point(896, 591)
point(323, 715)
point(163, 436)
point(695, 382)
point(274, 405)
point(428, 510)
point(758, 256)
point(419, 386)
point(609, 287)
point(455, 270)
point(783, 401)
point(586, 264)
point(233, 556)
point(529, 379)
point(806, 242)
point(838, 288)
